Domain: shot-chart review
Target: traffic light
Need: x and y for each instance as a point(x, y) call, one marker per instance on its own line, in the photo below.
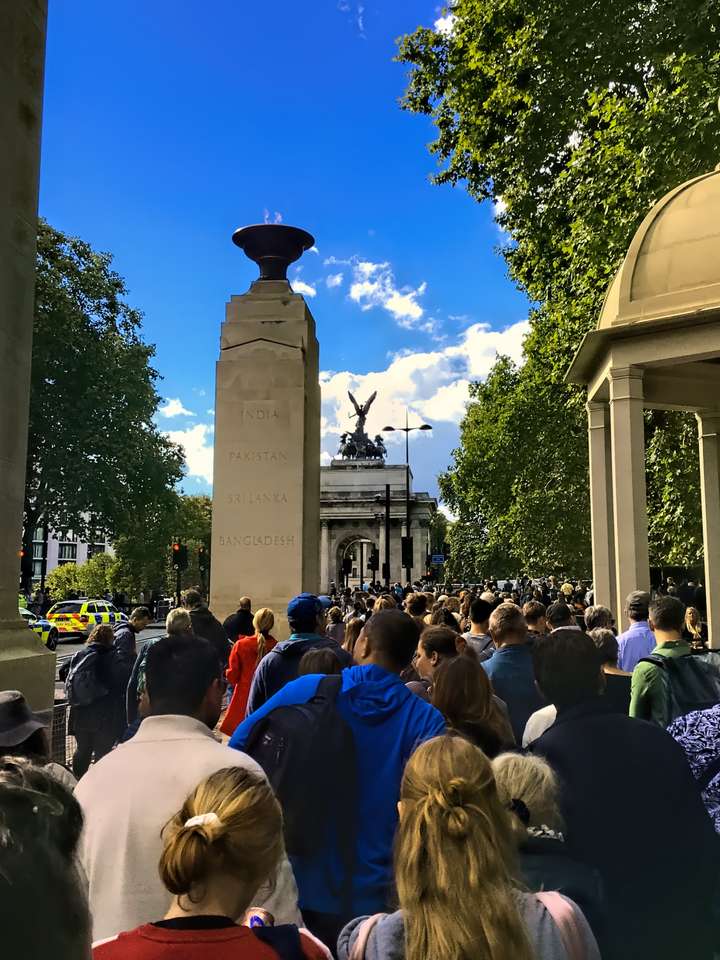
point(347, 565)
point(26, 567)
point(203, 559)
point(374, 560)
point(179, 556)
point(407, 552)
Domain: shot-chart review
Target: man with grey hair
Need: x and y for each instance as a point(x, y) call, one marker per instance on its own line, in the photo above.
point(599, 618)
point(638, 640)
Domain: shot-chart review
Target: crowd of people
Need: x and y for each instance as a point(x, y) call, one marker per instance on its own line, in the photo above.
point(495, 773)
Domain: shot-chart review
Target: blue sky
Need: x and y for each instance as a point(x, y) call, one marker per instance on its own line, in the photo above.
point(169, 123)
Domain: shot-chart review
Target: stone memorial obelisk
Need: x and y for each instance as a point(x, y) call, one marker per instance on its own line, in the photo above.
point(266, 485)
point(25, 664)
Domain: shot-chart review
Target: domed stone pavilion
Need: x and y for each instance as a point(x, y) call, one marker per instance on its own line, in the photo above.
point(656, 345)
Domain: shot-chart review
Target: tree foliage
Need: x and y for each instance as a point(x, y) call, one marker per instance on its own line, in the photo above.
point(143, 553)
point(96, 461)
point(578, 117)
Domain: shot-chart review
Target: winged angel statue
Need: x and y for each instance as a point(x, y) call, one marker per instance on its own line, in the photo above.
point(361, 412)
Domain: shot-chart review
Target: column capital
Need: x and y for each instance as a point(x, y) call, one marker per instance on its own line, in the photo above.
point(626, 383)
point(708, 422)
point(598, 414)
point(324, 523)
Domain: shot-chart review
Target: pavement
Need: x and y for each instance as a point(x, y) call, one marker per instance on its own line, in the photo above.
point(65, 651)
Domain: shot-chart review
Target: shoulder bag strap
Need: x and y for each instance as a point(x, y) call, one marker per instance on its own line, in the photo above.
point(364, 931)
point(563, 914)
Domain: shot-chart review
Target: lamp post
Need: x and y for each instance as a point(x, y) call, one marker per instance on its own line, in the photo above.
point(386, 557)
point(406, 430)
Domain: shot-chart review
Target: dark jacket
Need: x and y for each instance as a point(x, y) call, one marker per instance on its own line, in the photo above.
point(239, 624)
point(545, 864)
point(633, 811)
point(209, 628)
point(280, 666)
point(106, 713)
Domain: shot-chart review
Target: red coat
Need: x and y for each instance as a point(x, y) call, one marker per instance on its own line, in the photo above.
point(241, 667)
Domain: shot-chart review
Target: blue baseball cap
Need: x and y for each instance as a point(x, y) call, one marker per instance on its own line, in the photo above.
point(304, 606)
point(325, 602)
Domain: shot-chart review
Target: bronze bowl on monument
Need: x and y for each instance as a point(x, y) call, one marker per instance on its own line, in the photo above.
point(273, 246)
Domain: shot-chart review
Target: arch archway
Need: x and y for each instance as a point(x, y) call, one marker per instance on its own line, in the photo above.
point(356, 546)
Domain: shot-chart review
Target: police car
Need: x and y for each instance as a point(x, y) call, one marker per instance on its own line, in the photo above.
point(77, 618)
point(43, 628)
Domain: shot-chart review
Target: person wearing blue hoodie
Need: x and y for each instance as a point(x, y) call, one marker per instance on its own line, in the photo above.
point(306, 618)
point(387, 722)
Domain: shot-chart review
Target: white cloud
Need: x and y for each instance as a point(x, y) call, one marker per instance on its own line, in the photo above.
point(433, 385)
point(174, 408)
point(210, 412)
point(374, 285)
point(445, 25)
point(334, 280)
point(299, 286)
point(314, 249)
point(272, 218)
point(499, 208)
point(196, 442)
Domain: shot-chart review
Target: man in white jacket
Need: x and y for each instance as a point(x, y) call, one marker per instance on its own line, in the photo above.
point(129, 796)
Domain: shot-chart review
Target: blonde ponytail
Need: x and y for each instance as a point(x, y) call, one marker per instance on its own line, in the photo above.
point(455, 859)
point(232, 823)
point(263, 622)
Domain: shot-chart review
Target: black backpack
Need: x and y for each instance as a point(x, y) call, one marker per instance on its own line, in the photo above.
point(308, 754)
point(691, 683)
point(82, 684)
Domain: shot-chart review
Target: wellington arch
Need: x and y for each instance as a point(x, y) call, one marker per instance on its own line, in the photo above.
point(656, 346)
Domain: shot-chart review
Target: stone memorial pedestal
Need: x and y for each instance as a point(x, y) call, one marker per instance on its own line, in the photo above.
point(266, 487)
point(25, 664)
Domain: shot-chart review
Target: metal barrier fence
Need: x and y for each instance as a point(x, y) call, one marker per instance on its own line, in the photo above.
point(62, 743)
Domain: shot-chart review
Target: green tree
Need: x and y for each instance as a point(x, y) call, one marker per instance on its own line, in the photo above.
point(62, 581)
point(96, 461)
point(97, 576)
point(578, 117)
point(143, 552)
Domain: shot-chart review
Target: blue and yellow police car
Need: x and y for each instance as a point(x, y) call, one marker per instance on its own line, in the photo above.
point(43, 628)
point(76, 618)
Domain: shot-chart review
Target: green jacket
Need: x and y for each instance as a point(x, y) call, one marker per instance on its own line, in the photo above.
point(649, 693)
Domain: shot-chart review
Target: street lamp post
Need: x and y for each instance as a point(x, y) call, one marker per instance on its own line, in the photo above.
point(386, 557)
point(406, 430)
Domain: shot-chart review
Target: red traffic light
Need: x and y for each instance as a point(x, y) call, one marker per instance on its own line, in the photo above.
point(176, 546)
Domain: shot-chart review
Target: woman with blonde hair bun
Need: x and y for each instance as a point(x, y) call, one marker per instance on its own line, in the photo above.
point(529, 790)
point(219, 849)
point(455, 870)
point(246, 654)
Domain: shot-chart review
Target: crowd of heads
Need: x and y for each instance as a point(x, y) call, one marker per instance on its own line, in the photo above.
point(468, 799)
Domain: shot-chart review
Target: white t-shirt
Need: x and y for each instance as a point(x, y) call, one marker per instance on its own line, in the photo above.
point(538, 723)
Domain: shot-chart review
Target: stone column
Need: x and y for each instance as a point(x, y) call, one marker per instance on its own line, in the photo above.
point(632, 565)
point(324, 557)
point(418, 532)
point(601, 511)
point(709, 437)
point(25, 664)
point(266, 490)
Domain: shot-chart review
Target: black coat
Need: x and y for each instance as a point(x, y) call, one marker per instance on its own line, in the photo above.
point(107, 713)
point(633, 811)
point(206, 626)
point(239, 624)
point(546, 865)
